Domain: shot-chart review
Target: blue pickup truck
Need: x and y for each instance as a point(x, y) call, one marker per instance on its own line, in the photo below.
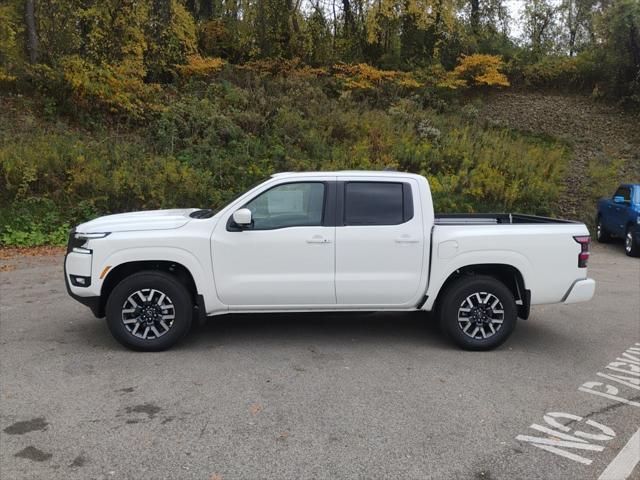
point(619, 216)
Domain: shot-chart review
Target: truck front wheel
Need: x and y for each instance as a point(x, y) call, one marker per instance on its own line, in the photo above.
point(602, 235)
point(149, 311)
point(477, 312)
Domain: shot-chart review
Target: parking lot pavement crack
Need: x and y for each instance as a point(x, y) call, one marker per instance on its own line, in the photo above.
point(606, 409)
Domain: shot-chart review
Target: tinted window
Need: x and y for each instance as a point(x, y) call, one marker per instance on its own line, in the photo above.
point(624, 192)
point(289, 205)
point(374, 203)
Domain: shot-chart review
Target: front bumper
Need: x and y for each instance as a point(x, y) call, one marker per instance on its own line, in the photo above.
point(580, 291)
point(80, 264)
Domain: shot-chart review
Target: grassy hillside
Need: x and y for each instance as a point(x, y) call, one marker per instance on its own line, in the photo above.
point(114, 105)
point(210, 139)
point(604, 141)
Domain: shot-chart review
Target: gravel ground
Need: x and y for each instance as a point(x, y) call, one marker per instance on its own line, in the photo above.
point(306, 396)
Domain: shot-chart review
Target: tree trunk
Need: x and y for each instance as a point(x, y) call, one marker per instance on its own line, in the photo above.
point(192, 8)
point(207, 9)
point(32, 37)
point(349, 22)
point(572, 42)
point(475, 16)
point(634, 44)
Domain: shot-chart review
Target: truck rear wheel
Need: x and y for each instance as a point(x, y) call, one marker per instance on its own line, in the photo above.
point(477, 312)
point(149, 311)
point(631, 246)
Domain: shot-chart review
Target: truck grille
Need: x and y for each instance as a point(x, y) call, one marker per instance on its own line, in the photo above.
point(73, 241)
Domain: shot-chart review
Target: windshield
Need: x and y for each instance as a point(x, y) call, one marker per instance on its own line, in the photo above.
point(237, 196)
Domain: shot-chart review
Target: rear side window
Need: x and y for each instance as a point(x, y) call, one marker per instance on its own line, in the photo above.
point(377, 203)
point(624, 192)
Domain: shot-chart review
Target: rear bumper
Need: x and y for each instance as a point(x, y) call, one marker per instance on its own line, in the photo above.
point(580, 291)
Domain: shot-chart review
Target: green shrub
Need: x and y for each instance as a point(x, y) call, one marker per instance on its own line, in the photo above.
point(51, 180)
point(582, 73)
point(81, 88)
point(602, 178)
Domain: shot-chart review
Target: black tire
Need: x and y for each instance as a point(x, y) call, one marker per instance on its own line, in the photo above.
point(602, 234)
point(154, 284)
point(631, 245)
point(457, 297)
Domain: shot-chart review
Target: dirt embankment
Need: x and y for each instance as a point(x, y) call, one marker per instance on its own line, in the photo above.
point(592, 129)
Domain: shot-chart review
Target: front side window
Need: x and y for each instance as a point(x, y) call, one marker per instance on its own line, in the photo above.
point(288, 205)
point(376, 203)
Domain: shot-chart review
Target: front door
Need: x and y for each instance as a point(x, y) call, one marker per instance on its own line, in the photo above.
point(379, 243)
point(621, 211)
point(286, 258)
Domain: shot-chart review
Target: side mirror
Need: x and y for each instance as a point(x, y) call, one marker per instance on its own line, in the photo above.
point(618, 199)
point(242, 217)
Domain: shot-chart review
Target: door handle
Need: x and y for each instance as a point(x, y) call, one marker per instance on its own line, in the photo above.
point(406, 239)
point(318, 239)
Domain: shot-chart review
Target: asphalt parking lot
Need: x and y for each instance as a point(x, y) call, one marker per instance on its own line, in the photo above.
point(319, 396)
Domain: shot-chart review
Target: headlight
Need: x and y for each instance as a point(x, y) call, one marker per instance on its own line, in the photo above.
point(78, 240)
point(91, 236)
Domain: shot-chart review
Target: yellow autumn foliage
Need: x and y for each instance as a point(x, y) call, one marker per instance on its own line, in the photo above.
point(112, 88)
point(6, 77)
point(362, 76)
point(478, 70)
point(198, 66)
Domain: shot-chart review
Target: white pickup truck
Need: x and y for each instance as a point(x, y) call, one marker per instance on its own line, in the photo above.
point(325, 241)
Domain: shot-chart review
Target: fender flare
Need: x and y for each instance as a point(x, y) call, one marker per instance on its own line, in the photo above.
point(507, 258)
point(202, 276)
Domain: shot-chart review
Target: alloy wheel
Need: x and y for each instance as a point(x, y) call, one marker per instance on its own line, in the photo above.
point(480, 315)
point(148, 313)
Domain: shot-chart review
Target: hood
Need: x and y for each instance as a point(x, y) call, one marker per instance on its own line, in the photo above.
point(138, 221)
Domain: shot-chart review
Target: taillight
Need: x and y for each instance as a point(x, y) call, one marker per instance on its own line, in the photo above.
point(583, 256)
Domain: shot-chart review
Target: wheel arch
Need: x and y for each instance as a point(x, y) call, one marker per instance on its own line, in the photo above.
point(508, 275)
point(120, 272)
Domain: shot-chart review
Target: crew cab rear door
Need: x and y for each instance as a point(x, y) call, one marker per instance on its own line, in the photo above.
point(379, 241)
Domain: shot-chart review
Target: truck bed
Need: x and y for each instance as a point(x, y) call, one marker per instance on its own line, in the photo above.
point(494, 219)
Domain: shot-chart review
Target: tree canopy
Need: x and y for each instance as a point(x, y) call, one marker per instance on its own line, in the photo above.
point(142, 42)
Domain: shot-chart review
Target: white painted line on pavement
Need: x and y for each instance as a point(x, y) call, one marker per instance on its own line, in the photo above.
point(626, 460)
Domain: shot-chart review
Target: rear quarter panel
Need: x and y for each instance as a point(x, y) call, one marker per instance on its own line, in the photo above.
point(545, 254)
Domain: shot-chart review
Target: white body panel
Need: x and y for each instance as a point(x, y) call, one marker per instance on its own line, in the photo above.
point(284, 268)
point(304, 268)
point(382, 265)
point(546, 255)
